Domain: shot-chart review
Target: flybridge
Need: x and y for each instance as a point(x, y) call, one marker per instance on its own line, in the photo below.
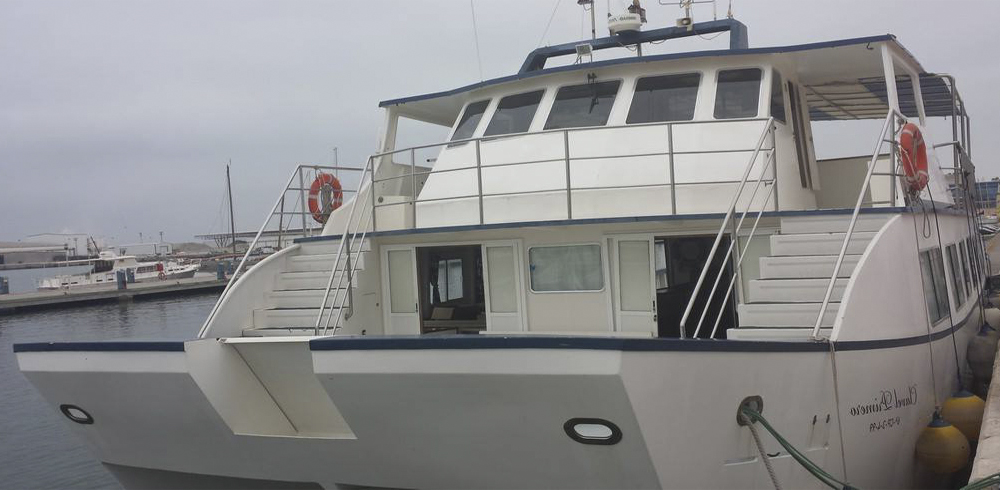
point(737, 40)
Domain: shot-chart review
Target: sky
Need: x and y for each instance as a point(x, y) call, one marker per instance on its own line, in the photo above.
point(118, 117)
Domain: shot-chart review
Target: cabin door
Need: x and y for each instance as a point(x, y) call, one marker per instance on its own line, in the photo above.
point(634, 283)
point(504, 286)
point(399, 279)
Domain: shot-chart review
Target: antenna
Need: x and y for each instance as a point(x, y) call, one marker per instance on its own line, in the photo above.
point(593, 20)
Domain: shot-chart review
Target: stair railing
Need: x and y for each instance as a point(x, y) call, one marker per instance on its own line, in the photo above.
point(299, 208)
point(347, 238)
point(888, 129)
point(739, 260)
point(730, 211)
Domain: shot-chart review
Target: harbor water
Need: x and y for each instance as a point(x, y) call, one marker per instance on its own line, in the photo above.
point(37, 449)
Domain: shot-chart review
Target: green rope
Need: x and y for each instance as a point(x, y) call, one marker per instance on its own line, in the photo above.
point(820, 474)
point(987, 482)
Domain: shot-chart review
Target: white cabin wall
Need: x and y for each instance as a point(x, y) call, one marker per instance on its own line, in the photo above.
point(791, 194)
point(874, 311)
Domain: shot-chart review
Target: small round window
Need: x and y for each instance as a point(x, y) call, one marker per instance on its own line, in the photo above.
point(593, 431)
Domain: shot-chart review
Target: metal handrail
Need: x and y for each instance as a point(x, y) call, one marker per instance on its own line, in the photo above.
point(732, 242)
point(768, 129)
point(344, 239)
point(350, 272)
point(238, 272)
point(890, 120)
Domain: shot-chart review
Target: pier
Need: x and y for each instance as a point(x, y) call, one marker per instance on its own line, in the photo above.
point(10, 303)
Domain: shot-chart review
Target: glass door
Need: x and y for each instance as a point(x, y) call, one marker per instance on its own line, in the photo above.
point(504, 286)
point(634, 286)
point(399, 280)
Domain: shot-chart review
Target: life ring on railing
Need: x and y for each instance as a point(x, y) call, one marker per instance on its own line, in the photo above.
point(162, 276)
point(913, 157)
point(325, 195)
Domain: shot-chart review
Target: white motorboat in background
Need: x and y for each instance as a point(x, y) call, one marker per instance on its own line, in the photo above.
point(603, 265)
point(109, 264)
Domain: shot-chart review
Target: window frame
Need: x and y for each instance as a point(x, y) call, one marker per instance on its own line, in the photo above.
point(934, 286)
point(496, 109)
point(760, 97)
point(698, 98)
point(555, 94)
point(489, 102)
point(955, 270)
point(775, 74)
point(602, 268)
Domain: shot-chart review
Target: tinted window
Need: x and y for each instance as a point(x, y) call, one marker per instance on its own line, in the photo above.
point(777, 98)
point(514, 113)
point(470, 119)
point(566, 268)
point(666, 98)
point(582, 105)
point(737, 94)
point(933, 279)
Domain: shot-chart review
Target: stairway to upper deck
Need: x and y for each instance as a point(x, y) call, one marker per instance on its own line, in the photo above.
point(293, 301)
point(784, 302)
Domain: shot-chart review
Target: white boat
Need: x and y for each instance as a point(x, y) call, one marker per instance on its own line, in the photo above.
point(602, 265)
point(108, 264)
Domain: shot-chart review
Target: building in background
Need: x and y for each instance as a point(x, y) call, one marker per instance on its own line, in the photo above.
point(76, 243)
point(16, 253)
point(145, 249)
point(986, 195)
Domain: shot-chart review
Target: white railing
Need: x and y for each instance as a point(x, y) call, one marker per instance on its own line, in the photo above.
point(730, 211)
point(294, 192)
point(889, 128)
point(348, 271)
point(570, 156)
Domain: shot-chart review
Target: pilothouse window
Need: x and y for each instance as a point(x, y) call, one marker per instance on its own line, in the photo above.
point(777, 98)
point(665, 98)
point(514, 113)
point(470, 120)
point(584, 105)
point(738, 93)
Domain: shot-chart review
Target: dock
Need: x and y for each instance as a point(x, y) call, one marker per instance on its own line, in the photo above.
point(10, 303)
point(987, 458)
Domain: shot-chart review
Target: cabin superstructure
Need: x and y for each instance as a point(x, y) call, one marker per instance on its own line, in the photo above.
point(587, 198)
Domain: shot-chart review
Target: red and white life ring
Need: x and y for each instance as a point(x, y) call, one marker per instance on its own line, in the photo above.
point(325, 188)
point(913, 157)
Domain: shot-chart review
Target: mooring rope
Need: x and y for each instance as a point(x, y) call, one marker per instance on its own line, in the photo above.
point(760, 449)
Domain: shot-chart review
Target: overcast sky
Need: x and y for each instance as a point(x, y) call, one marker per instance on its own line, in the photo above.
point(117, 117)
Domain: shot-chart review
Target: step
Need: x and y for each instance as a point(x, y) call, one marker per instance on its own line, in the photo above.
point(819, 243)
point(318, 247)
point(780, 334)
point(281, 332)
point(793, 290)
point(308, 280)
point(784, 314)
point(805, 266)
point(324, 262)
point(304, 298)
point(832, 223)
point(286, 317)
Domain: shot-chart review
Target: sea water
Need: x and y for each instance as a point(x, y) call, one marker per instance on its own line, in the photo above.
point(37, 449)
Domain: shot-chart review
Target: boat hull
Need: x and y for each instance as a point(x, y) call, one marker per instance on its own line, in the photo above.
point(478, 412)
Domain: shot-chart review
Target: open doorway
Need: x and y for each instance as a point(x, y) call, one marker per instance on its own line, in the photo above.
point(678, 263)
point(451, 294)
